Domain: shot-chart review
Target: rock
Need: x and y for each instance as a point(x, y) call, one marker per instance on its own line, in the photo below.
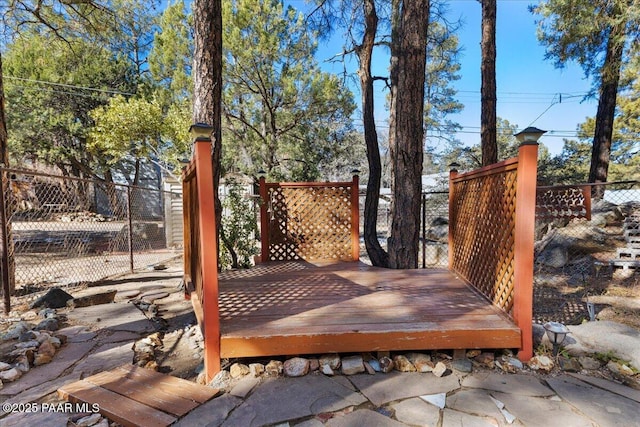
point(331, 360)
point(273, 368)
point(422, 362)
point(440, 369)
point(47, 313)
point(47, 348)
point(569, 364)
point(256, 369)
point(510, 365)
point(62, 338)
point(50, 324)
point(375, 365)
point(589, 363)
point(486, 359)
point(23, 364)
point(619, 368)
point(473, 353)
point(462, 365)
point(314, 365)
point(326, 369)
point(89, 420)
point(41, 359)
point(403, 364)
point(14, 331)
point(386, 364)
point(4, 366)
point(29, 315)
point(555, 255)
point(54, 298)
point(369, 368)
point(352, 365)
point(27, 344)
point(541, 363)
point(28, 336)
point(221, 381)
point(95, 299)
point(239, 370)
point(10, 375)
point(55, 341)
point(296, 367)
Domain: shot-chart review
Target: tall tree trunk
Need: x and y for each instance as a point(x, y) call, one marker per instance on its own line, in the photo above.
point(406, 132)
point(4, 137)
point(377, 255)
point(603, 134)
point(207, 79)
point(488, 119)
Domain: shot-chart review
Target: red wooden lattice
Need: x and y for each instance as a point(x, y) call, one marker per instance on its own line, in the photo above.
point(310, 221)
point(557, 202)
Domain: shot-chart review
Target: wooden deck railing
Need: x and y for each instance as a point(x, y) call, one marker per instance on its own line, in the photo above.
point(491, 234)
point(200, 250)
point(309, 220)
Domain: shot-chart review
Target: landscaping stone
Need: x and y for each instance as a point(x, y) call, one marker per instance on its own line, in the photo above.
point(368, 369)
point(453, 418)
point(438, 400)
point(296, 367)
point(221, 381)
point(619, 368)
point(4, 366)
point(211, 413)
point(527, 411)
point(352, 365)
point(402, 364)
point(485, 359)
point(462, 365)
point(10, 375)
point(363, 417)
point(256, 369)
point(375, 365)
point(14, 331)
point(326, 369)
point(239, 370)
point(54, 298)
point(440, 369)
point(610, 386)
point(386, 364)
point(273, 368)
point(589, 362)
point(95, 299)
point(314, 365)
point(474, 401)
point(569, 364)
point(422, 362)
point(331, 360)
point(244, 387)
point(541, 363)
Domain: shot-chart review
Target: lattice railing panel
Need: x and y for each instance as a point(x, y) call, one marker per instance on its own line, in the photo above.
point(563, 202)
point(312, 223)
point(484, 230)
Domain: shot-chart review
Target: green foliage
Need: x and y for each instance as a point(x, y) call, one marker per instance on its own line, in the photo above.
point(50, 122)
point(281, 112)
point(239, 228)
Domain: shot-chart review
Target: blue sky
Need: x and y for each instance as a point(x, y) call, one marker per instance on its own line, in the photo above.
point(529, 86)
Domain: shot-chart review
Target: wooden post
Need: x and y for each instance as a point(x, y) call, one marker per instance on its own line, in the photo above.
point(453, 173)
point(209, 258)
point(186, 230)
point(264, 221)
point(355, 218)
point(586, 192)
point(524, 244)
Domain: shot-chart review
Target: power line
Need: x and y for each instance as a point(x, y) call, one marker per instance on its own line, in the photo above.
point(115, 92)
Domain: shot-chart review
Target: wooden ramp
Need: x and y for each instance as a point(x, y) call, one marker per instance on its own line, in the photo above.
point(134, 396)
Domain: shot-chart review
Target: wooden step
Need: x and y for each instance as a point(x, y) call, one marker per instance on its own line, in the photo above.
point(134, 396)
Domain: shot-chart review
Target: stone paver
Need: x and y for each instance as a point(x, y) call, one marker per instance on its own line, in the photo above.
point(383, 388)
point(616, 388)
point(283, 399)
point(361, 418)
point(527, 410)
point(120, 316)
point(453, 418)
point(66, 357)
point(416, 412)
point(22, 419)
point(525, 385)
point(244, 387)
point(77, 333)
point(605, 408)
point(105, 357)
point(212, 413)
point(474, 401)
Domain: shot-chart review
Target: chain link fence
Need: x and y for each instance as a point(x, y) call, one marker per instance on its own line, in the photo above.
point(64, 231)
point(585, 247)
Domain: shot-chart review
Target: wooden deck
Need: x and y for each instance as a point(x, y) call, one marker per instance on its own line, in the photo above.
point(298, 307)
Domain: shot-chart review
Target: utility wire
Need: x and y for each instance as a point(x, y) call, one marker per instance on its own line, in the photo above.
point(115, 92)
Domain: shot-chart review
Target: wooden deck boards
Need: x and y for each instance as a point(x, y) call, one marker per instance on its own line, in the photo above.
point(303, 308)
point(134, 396)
